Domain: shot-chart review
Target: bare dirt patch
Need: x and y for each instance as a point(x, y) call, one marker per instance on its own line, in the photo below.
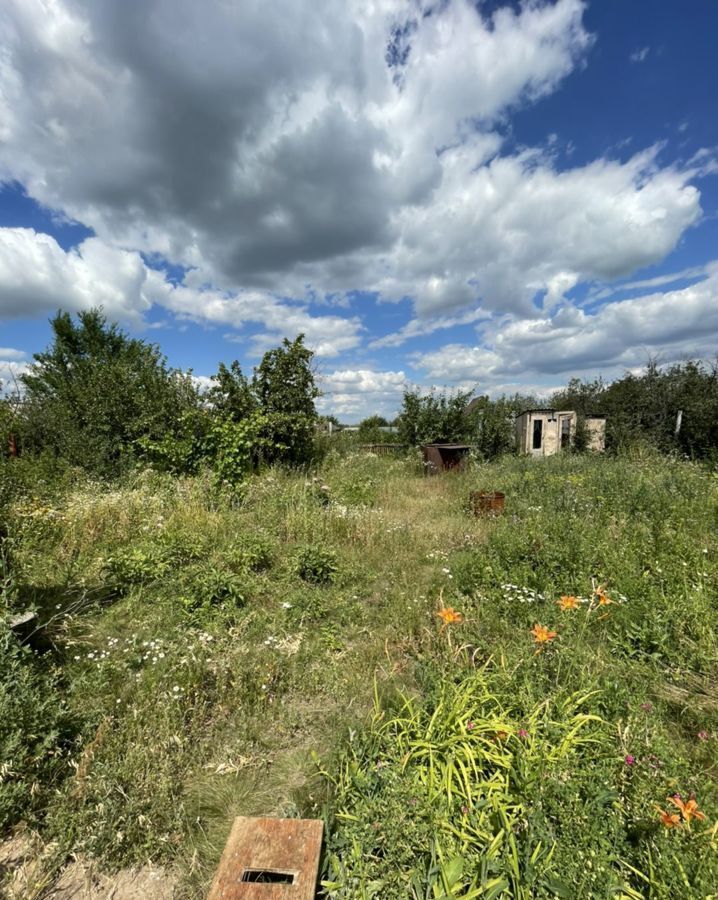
point(27, 874)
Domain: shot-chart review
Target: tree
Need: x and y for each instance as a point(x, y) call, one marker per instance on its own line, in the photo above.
point(434, 417)
point(285, 389)
point(491, 424)
point(95, 392)
point(370, 431)
point(284, 380)
point(231, 393)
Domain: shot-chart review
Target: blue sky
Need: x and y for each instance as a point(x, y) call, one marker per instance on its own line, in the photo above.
point(491, 196)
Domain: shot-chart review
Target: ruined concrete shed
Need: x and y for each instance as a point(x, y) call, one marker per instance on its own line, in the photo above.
point(546, 431)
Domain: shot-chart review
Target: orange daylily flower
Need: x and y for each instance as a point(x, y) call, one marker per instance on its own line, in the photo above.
point(670, 820)
point(602, 596)
point(689, 810)
point(449, 616)
point(568, 602)
point(542, 635)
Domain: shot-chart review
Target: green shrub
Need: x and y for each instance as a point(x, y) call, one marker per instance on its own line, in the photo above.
point(36, 732)
point(253, 552)
point(316, 565)
point(136, 565)
point(207, 587)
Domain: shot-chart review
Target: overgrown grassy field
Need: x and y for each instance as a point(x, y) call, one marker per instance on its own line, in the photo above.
point(205, 655)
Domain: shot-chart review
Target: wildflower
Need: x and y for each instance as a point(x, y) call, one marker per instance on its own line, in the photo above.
point(646, 707)
point(542, 635)
point(602, 596)
point(523, 734)
point(703, 736)
point(689, 810)
point(669, 820)
point(449, 616)
point(629, 759)
point(568, 602)
point(470, 726)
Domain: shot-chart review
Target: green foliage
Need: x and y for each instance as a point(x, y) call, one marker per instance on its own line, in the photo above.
point(37, 730)
point(206, 587)
point(231, 394)
point(285, 388)
point(370, 431)
point(435, 417)
point(492, 426)
point(136, 565)
point(438, 800)
point(316, 565)
point(95, 392)
point(202, 691)
point(183, 450)
point(643, 408)
point(253, 552)
point(239, 447)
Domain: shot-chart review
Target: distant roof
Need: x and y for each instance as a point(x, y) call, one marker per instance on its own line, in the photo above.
point(551, 409)
point(449, 446)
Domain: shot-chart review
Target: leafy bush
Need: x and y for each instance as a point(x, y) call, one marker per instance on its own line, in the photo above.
point(207, 587)
point(36, 731)
point(95, 392)
point(136, 565)
point(253, 552)
point(316, 565)
point(238, 447)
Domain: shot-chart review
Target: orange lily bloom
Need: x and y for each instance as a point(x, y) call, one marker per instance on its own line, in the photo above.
point(568, 602)
point(542, 635)
point(689, 810)
point(603, 598)
point(449, 616)
point(670, 820)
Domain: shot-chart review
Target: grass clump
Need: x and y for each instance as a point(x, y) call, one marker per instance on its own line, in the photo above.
point(317, 565)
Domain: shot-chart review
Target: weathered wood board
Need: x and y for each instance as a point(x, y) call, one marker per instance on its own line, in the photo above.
point(269, 859)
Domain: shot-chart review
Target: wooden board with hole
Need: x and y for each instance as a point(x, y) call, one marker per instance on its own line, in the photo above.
point(269, 859)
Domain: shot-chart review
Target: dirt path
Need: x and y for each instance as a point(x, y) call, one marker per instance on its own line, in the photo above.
point(23, 877)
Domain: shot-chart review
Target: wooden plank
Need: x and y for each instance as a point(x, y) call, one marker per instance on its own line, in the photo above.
point(269, 859)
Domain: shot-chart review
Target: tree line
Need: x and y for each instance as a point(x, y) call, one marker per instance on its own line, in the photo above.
point(673, 408)
point(104, 401)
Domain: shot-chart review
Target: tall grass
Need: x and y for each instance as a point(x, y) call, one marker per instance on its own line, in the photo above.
point(201, 655)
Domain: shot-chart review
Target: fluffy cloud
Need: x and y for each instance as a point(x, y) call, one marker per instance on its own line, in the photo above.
point(620, 335)
point(355, 394)
point(38, 276)
point(516, 227)
point(287, 150)
point(12, 364)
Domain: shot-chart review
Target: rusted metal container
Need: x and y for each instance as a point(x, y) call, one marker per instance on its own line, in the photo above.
point(445, 457)
point(487, 503)
point(271, 859)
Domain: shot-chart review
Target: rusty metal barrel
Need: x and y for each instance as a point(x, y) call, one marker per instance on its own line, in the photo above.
point(487, 503)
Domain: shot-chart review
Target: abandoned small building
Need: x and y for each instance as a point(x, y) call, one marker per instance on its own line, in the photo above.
point(544, 432)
